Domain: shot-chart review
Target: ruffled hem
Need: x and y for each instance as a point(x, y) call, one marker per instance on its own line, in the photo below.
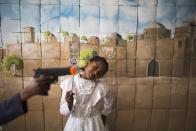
point(88, 124)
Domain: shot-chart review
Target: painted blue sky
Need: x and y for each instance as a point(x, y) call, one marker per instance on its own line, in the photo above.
point(90, 17)
point(108, 19)
point(69, 18)
point(89, 20)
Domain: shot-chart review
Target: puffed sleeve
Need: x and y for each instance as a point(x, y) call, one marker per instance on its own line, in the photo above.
point(64, 110)
point(108, 100)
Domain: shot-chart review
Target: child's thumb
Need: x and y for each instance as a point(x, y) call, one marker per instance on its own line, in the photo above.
point(72, 93)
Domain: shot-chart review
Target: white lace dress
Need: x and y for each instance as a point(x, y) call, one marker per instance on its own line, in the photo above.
point(91, 100)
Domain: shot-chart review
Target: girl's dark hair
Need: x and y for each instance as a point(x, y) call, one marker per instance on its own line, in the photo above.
point(102, 60)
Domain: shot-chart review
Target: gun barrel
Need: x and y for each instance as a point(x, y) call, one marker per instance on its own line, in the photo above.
point(55, 71)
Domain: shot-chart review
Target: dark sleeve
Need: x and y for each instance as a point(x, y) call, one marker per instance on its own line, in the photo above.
point(11, 108)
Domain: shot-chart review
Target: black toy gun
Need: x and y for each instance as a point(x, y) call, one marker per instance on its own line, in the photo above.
point(55, 72)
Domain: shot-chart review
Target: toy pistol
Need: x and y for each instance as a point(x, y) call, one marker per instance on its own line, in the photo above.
point(55, 72)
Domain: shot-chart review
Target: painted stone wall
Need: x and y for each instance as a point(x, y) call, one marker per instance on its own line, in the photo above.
point(141, 102)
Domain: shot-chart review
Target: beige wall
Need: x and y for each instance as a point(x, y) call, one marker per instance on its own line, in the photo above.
point(141, 103)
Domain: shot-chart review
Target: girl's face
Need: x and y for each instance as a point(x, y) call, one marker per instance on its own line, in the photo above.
point(94, 70)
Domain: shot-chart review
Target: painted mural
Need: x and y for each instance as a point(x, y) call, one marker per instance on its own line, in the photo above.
point(97, 17)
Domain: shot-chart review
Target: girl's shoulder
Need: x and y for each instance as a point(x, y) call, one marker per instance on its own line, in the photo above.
point(102, 83)
point(102, 86)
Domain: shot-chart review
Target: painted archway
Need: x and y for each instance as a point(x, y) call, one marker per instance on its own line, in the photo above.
point(153, 68)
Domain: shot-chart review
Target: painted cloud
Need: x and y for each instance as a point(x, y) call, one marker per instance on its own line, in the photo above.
point(91, 17)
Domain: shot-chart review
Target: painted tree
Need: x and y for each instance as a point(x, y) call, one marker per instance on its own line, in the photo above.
point(129, 37)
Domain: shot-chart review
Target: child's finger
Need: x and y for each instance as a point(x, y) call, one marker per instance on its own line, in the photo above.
point(70, 93)
point(68, 97)
point(69, 100)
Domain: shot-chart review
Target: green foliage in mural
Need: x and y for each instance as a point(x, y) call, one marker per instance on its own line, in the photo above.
point(17, 40)
point(47, 33)
point(10, 60)
point(129, 37)
point(83, 37)
point(85, 55)
point(65, 33)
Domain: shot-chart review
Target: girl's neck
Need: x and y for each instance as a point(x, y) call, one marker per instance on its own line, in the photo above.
point(83, 75)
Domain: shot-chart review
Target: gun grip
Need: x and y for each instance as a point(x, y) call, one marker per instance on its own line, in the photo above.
point(44, 93)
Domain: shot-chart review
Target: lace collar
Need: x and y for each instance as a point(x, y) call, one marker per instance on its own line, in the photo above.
point(85, 86)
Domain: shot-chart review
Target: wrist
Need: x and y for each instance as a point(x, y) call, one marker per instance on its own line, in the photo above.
point(70, 107)
point(104, 118)
point(24, 95)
